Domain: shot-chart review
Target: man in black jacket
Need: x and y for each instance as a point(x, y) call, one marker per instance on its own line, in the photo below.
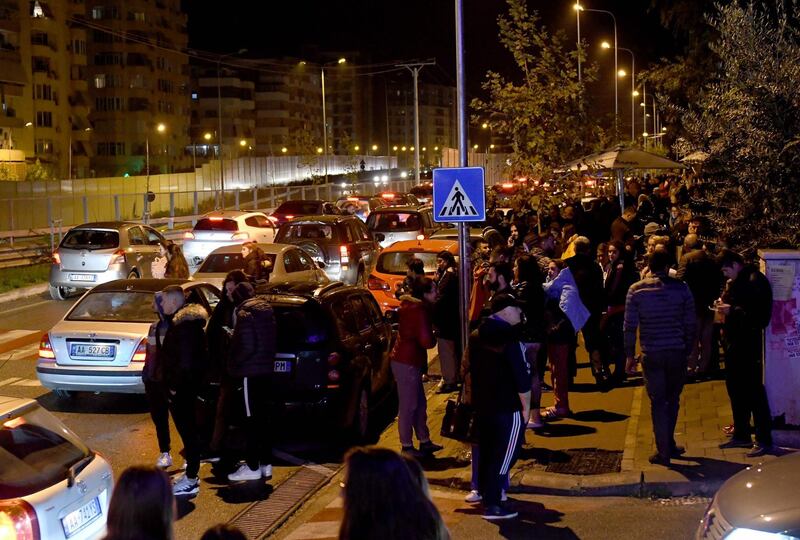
point(446, 321)
point(500, 391)
point(183, 357)
point(747, 307)
point(251, 361)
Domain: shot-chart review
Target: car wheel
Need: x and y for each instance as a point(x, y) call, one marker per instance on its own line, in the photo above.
point(359, 425)
point(58, 293)
point(133, 275)
point(64, 394)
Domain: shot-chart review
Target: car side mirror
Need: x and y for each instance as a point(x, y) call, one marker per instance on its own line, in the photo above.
point(380, 237)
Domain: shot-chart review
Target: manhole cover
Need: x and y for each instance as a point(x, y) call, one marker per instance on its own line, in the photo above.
point(586, 461)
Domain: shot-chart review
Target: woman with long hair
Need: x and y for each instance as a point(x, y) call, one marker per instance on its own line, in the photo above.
point(142, 506)
point(383, 498)
point(171, 263)
point(621, 275)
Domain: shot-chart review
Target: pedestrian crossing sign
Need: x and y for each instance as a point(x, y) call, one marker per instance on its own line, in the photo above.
point(459, 194)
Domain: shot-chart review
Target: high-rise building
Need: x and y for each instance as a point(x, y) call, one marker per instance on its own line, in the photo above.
point(138, 80)
point(438, 125)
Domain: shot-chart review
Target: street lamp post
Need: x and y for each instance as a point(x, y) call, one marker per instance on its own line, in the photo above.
point(219, 119)
point(580, 8)
point(414, 69)
point(161, 128)
point(340, 61)
point(606, 45)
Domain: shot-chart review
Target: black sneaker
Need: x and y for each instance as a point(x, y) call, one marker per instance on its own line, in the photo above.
point(658, 459)
point(759, 450)
point(677, 451)
point(495, 513)
point(430, 447)
point(735, 443)
point(412, 452)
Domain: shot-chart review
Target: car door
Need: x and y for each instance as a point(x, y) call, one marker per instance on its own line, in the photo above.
point(316, 273)
point(141, 253)
point(427, 222)
point(351, 338)
point(293, 266)
point(377, 340)
point(367, 248)
point(154, 240)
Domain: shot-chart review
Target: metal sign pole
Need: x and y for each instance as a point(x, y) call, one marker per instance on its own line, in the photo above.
point(463, 228)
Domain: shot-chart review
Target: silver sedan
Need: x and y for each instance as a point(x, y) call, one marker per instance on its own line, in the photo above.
point(100, 344)
point(51, 485)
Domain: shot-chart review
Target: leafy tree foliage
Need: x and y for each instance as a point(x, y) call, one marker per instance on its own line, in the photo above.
point(542, 110)
point(748, 121)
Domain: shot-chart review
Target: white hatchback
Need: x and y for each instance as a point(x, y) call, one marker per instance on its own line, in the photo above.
point(225, 228)
point(52, 486)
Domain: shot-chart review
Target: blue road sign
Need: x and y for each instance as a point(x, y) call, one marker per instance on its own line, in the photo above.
point(459, 194)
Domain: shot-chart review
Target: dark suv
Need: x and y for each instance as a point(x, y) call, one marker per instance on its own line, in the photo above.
point(341, 245)
point(332, 351)
point(302, 207)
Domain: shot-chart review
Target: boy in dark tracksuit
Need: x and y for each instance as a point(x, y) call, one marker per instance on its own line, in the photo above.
point(500, 393)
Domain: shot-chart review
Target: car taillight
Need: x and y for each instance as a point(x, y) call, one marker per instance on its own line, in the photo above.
point(141, 351)
point(288, 216)
point(57, 258)
point(240, 236)
point(18, 520)
point(189, 235)
point(45, 351)
point(333, 375)
point(376, 284)
point(118, 257)
point(334, 358)
point(344, 257)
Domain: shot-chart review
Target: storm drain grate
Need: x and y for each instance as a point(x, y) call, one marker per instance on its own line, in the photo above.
point(263, 517)
point(586, 461)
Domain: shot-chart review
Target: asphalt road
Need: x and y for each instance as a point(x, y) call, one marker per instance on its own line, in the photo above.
point(119, 427)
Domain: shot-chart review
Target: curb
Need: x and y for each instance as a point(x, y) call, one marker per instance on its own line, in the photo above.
point(24, 292)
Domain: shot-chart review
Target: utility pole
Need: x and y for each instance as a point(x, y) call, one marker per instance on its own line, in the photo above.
point(464, 280)
point(414, 68)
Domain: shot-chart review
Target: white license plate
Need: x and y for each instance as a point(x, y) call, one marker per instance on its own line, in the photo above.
point(80, 518)
point(92, 350)
point(283, 366)
point(82, 277)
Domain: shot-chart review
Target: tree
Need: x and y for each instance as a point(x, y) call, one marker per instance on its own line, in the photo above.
point(542, 111)
point(38, 172)
point(748, 121)
point(305, 146)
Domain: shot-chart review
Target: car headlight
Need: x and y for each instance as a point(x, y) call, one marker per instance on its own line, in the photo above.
point(751, 534)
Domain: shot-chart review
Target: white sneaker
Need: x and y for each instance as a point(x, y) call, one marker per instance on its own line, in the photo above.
point(473, 497)
point(266, 472)
point(164, 460)
point(245, 473)
point(184, 485)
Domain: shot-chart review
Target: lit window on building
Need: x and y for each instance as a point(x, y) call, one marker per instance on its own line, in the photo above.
point(37, 12)
point(100, 80)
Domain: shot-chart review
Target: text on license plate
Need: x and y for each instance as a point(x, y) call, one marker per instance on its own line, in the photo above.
point(283, 366)
point(80, 518)
point(82, 277)
point(92, 350)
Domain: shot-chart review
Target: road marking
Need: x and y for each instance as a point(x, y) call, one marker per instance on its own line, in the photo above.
point(21, 308)
point(14, 339)
point(27, 382)
point(10, 380)
point(11, 335)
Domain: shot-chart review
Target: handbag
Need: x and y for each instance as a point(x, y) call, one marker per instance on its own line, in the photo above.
point(459, 422)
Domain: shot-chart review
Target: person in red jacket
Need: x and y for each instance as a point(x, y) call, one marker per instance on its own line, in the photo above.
point(408, 360)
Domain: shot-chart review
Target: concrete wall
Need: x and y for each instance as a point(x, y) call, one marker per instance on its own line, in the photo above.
point(494, 165)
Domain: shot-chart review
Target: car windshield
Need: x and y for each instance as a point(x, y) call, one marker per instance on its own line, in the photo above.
point(300, 327)
point(394, 221)
point(90, 239)
point(36, 451)
point(216, 224)
point(304, 230)
point(222, 263)
point(115, 306)
point(299, 208)
point(396, 262)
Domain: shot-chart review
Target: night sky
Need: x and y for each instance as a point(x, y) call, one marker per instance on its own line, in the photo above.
point(385, 31)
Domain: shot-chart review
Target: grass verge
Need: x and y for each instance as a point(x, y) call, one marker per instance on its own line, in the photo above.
point(14, 278)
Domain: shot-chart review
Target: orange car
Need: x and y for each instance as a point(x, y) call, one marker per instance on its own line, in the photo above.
point(390, 269)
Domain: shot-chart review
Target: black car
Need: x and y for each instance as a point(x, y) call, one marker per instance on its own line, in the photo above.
point(341, 245)
point(332, 351)
point(303, 207)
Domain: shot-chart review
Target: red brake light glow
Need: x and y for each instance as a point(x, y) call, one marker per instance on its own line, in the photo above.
point(56, 258)
point(215, 218)
point(45, 351)
point(18, 520)
point(343, 255)
point(118, 257)
point(353, 199)
point(141, 351)
point(289, 217)
point(376, 284)
point(387, 195)
point(508, 185)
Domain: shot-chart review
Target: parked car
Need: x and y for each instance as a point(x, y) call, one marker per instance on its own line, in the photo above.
point(303, 207)
point(394, 223)
point(394, 198)
point(99, 252)
point(760, 502)
point(362, 205)
point(391, 268)
point(100, 344)
point(287, 263)
point(341, 245)
point(332, 352)
point(52, 486)
point(225, 228)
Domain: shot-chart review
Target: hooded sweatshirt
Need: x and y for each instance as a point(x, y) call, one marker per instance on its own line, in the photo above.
point(414, 335)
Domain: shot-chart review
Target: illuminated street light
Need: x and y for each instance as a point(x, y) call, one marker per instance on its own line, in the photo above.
point(342, 60)
point(664, 129)
point(284, 150)
point(394, 148)
point(485, 125)
point(242, 142)
point(411, 149)
point(605, 45)
point(403, 149)
point(622, 73)
point(635, 93)
point(28, 124)
point(577, 7)
point(319, 150)
point(356, 148)
point(374, 147)
point(436, 148)
point(161, 128)
point(424, 149)
point(475, 147)
point(207, 136)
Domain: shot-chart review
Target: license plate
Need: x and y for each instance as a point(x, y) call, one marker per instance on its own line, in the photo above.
point(283, 366)
point(82, 277)
point(80, 518)
point(92, 350)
